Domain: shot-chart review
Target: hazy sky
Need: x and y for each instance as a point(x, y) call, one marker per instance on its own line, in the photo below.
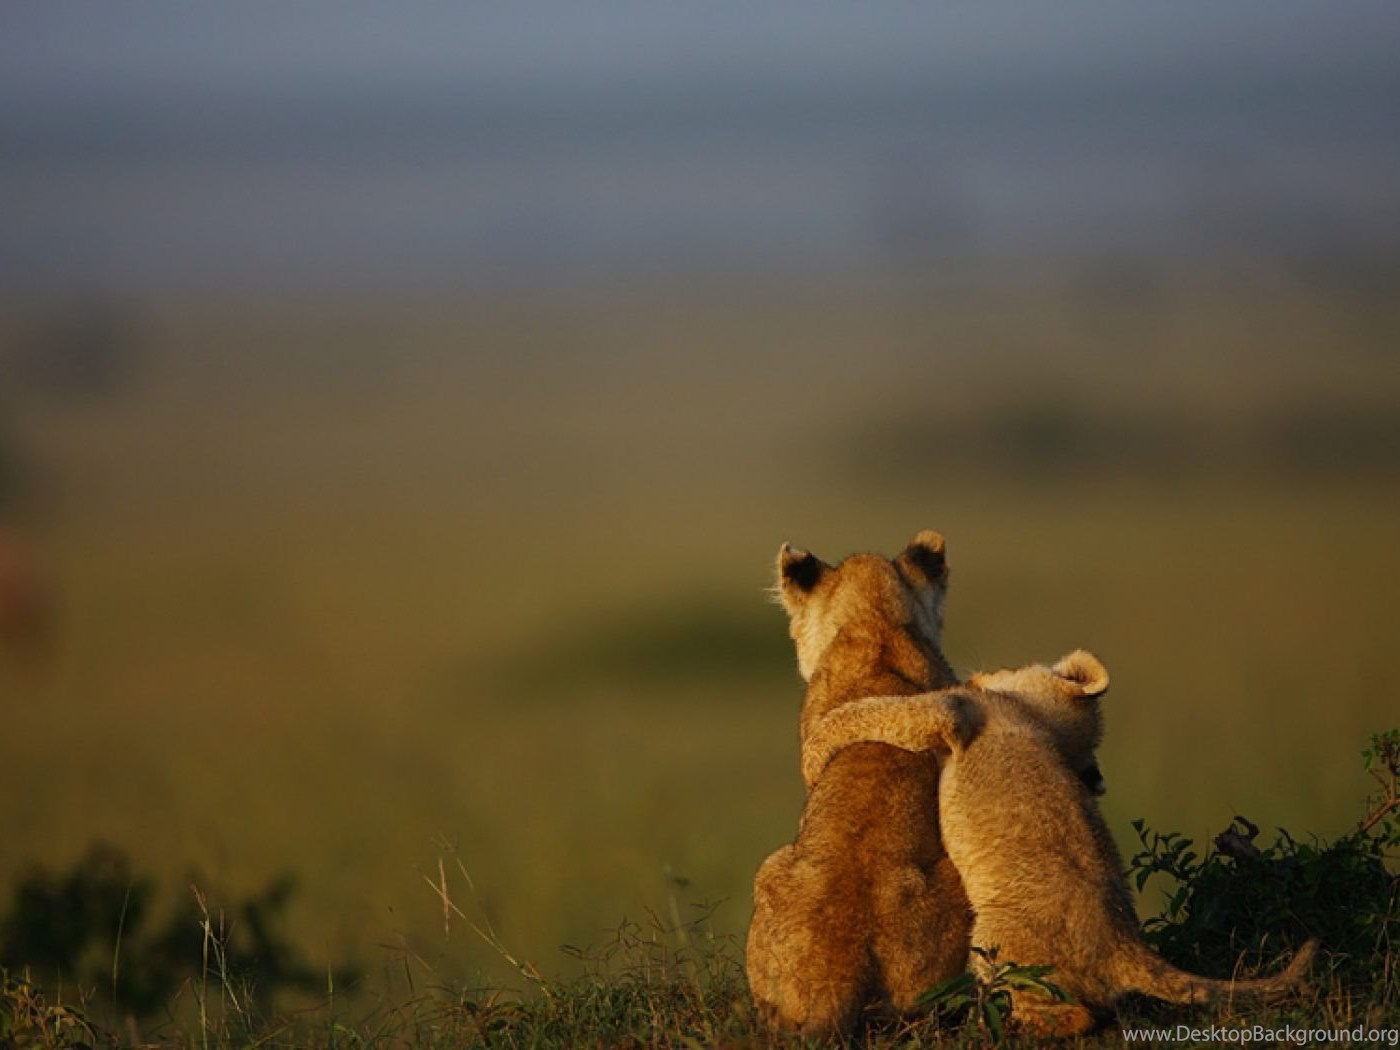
point(58, 51)
point(156, 143)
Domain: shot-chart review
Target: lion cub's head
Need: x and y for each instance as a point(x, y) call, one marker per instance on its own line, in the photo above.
point(1065, 699)
point(866, 591)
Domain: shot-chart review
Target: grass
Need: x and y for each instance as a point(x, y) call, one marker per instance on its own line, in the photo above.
point(1241, 908)
point(336, 585)
point(674, 981)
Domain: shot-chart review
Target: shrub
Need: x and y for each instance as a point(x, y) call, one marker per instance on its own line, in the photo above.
point(1246, 903)
point(91, 927)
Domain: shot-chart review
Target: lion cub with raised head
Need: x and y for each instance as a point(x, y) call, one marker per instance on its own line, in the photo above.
point(1040, 867)
point(864, 909)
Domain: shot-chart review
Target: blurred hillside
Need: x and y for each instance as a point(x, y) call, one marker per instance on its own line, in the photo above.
point(335, 583)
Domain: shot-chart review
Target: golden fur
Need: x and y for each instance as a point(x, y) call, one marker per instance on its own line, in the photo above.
point(864, 909)
point(1041, 871)
point(923, 723)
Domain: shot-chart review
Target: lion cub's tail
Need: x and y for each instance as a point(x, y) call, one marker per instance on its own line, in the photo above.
point(1141, 970)
point(944, 720)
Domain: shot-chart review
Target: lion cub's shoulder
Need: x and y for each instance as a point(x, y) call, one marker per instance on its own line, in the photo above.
point(1054, 702)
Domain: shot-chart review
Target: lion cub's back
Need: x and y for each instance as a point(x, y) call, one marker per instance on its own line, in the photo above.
point(878, 800)
point(1012, 810)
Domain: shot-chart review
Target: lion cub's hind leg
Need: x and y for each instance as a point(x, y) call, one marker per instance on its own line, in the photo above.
point(1035, 1012)
point(1045, 1019)
point(922, 924)
point(764, 953)
point(807, 969)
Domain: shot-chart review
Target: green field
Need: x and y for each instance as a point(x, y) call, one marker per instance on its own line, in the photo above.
point(347, 589)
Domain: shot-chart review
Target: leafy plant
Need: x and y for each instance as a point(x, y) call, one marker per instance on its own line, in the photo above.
point(1382, 820)
point(28, 1019)
point(987, 1000)
point(1243, 902)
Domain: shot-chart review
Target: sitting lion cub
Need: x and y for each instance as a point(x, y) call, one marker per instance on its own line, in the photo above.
point(1036, 857)
point(864, 911)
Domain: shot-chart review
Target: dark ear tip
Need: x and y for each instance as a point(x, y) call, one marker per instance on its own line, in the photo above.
point(799, 567)
point(927, 550)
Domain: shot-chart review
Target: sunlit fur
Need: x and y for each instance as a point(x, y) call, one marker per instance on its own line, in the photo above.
point(1040, 868)
point(863, 912)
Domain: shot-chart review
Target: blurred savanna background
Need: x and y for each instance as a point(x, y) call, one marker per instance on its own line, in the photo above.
point(400, 413)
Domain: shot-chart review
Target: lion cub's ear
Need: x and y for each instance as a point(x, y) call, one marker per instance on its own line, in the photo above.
point(926, 555)
point(798, 572)
point(1086, 671)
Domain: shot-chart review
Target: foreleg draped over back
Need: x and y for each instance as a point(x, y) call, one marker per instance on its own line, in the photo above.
point(943, 721)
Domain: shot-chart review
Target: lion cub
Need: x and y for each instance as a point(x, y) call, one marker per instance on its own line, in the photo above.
point(864, 909)
point(1040, 867)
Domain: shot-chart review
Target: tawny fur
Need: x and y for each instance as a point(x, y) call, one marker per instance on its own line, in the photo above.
point(1039, 865)
point(1054, 696)
point(863, 911)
